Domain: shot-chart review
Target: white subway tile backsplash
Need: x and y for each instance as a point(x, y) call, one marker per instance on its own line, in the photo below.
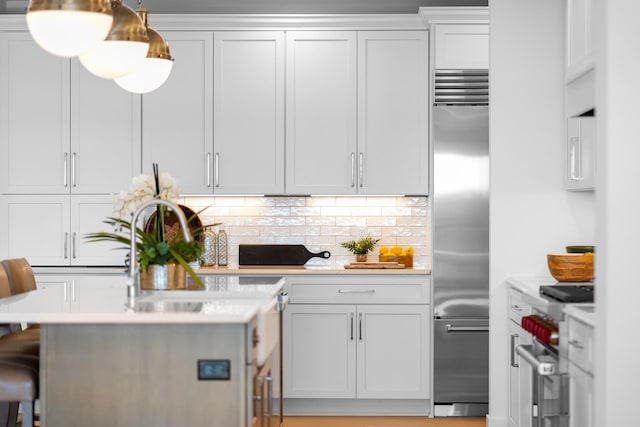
point(320, 223)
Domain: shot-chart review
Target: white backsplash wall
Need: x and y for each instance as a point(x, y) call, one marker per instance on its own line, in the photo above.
point(320, 223)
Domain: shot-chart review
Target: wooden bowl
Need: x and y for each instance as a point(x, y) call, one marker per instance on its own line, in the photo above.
point(571, 267)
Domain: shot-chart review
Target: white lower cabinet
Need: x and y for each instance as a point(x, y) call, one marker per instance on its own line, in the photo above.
point(520, 373)
point(355, 344)
point(520, 380)
point(49, 230)
point(581, 349)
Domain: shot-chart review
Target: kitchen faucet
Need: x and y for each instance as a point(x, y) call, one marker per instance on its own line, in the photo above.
point(133, 285)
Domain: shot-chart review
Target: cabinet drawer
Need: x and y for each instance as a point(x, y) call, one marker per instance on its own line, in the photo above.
point(580, 344)
point(517, 306)
point(359, 289)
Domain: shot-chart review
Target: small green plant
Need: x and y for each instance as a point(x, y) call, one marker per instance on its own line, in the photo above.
point(362, 246)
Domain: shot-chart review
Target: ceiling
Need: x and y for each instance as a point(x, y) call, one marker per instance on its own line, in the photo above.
point(273, 6)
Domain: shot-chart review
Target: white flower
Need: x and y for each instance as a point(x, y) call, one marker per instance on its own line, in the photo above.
point(141, 190)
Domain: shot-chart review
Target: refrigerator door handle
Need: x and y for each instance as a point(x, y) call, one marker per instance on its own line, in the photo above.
point(451, 328)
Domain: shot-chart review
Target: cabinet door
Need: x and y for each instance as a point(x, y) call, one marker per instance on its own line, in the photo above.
point(249, 112)
point(319, 351)
point(88, 214)
point(177, 118)
point(34, 117)
point(393, 128)
point(36, 228)
point(392, 351)
point(581, 402)
point(520, 379)
point(579, 37)
point(88, 293)
point(321, 113)
point(459, 47)
point(105, 134)
point(580, 153)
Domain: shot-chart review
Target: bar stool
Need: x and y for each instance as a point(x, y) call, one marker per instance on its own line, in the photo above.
point(19, 372)
point(21, 279)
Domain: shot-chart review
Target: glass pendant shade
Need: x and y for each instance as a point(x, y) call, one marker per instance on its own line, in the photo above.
point(123, 49)
point(155, 68)
point(69, 27)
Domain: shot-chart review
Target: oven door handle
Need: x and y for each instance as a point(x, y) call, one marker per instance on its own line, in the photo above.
point(541, 368)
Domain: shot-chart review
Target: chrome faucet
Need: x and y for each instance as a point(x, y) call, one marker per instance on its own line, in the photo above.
point(133, 282)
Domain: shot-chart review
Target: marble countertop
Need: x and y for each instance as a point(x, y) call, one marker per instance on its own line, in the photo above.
point(246, 271)
point(228, 299)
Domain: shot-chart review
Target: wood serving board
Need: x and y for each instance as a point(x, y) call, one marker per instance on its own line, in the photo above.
point(363, 265)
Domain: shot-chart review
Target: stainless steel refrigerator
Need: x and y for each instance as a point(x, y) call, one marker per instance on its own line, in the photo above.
point(461, 242)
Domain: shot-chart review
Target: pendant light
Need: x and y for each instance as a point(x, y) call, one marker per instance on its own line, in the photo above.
point(124, 48)
point(69, 27)
point(155, 68)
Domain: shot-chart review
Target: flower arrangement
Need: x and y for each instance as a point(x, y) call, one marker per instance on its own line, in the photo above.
point(152, 247)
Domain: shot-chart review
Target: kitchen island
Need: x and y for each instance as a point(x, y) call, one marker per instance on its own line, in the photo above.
point(164, 358)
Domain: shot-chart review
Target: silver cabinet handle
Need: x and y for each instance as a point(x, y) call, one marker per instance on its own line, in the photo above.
point(351, 318)
point(356, 291)
point(208, 169)
point(65, 292)
point(576, 344)
point(360, 326)
point(514, 338)
point(73, 245)
point(64, 170)
point(217, 169)
point(451, 328)
point(541, 368)
point(361, 169)
point(73, 169)
point(353, 170)
point(269, 380)
point(516, 307)
point(66, 245)
point(575, 147)
point(73, 290)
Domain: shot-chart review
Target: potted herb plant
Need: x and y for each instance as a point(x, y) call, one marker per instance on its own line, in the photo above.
point(361, 247)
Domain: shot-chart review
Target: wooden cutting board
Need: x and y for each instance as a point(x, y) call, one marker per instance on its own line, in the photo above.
point(364, 265)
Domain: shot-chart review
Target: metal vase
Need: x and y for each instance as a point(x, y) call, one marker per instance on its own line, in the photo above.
point(163, 277)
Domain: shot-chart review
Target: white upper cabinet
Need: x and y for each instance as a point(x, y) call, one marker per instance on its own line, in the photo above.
point(49, 230)
point(248, 112)
point(105, 134)
point(357, 112)
point(580, 170)
point(34, 117)
point(579, 38)
point(63, 129)
point(177, 118)
point(321, 112)
point(461, 46)
point(393, 112)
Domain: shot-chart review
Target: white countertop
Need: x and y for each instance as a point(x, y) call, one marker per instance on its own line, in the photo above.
point(583, 312)
point(228, 299)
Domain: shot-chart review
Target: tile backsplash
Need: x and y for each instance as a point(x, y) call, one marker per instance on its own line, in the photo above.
point(320, 223)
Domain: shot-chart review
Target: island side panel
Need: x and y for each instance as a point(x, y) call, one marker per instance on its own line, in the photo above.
point(142, 375)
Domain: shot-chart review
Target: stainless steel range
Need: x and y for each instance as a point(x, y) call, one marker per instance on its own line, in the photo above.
point(547, 354)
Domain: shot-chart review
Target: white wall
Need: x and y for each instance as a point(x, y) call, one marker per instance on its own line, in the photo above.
point(531, 214)
point(617, 371)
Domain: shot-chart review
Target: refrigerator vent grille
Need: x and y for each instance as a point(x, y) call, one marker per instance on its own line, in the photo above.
point(462, 87)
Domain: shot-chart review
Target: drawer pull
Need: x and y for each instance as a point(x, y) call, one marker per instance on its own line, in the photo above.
point(356, 291)
point(576, 344)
